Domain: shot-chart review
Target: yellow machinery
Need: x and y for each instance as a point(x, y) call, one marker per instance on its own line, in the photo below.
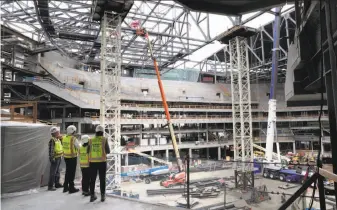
point(258, 154)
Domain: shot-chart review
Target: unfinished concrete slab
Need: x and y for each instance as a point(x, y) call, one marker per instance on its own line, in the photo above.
point(59, 201)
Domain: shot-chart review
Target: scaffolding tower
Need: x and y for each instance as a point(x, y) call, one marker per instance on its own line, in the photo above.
point(241, 108)
point(110, 94)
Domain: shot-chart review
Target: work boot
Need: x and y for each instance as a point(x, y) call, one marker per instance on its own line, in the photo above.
point(86, 193)
point(51, 189)
point(93, 198)
point(58, 185)
point(73, 190)
point(102, 197)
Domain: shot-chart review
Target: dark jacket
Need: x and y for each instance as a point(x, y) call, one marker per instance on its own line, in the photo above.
point(51, 145)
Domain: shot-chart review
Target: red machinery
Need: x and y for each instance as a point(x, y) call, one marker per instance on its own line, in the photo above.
point(180, 176)
point(174, 179)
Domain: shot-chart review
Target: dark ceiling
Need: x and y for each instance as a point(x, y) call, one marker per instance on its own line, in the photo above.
point(231, 7)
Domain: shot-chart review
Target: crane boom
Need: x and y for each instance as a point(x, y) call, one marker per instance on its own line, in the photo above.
point(271, 129)
point(148, 156)
point(144, 33)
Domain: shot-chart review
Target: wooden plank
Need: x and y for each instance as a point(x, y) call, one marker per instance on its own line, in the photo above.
point(17, 106)
point(34, 112)
point(327, 174)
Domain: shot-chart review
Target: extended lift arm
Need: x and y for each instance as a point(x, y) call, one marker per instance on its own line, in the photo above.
point(142, 32)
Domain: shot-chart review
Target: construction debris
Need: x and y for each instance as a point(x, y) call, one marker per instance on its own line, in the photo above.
point(182, 202)
point(218, 206)
point(204, 192)
point(258, 194)
point(166, 191)
point(287, 186)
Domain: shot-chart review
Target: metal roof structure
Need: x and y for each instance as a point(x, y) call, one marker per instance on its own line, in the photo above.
point(260, 51)
point(68, 26)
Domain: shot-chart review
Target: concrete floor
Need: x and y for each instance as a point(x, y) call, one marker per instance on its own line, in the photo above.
point(231, 196)
point(57, 200)
point(43, 199)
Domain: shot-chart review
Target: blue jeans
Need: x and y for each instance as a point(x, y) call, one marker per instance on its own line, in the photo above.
point(54, 173)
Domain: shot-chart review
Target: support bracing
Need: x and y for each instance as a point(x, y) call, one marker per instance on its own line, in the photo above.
point(110, 93)
point(241, 108)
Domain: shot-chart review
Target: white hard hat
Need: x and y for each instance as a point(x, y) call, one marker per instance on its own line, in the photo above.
point(99, 128)
point(53, 130)
point(85, 139)
point(71, 129)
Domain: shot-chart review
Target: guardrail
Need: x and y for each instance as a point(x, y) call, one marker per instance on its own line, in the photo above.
point(61, 85)
point(175, 106)
point(179, 106)
point(206, 117)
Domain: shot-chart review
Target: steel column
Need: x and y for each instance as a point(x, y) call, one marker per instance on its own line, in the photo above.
point(241, 107)
point(331, 81)
point(110, 93)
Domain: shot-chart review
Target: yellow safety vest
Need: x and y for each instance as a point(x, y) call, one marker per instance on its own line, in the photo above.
point(68, 147)
point(58, 148)
point(97, 149)
point(84, 157)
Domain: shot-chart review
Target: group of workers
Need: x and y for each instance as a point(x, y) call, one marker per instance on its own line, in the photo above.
point(92, 153)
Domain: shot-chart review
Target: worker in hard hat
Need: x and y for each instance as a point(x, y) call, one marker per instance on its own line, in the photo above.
point(70, 148)
point(98, 148)
point(55, 155)
point(84, 163)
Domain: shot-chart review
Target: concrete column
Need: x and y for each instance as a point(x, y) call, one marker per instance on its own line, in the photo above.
point(207, 153)
point(63, 126)
point(39, 58)
point(219, 153)
point(158, 136)
point(206, 132)
point(126, 159)
point(167, 155)
point(152, 161)
point(79, 129)
point(13, 55)
point(294, 147)
point(179, 133)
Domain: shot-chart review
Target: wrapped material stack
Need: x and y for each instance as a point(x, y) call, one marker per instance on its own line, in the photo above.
point(24, 155)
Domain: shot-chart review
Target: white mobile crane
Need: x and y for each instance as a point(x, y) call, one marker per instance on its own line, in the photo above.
point(271, 129)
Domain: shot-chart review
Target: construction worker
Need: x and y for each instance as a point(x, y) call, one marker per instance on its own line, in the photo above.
point(55, 155)
point(98, 148)
point(84, 163)
point(70, 148)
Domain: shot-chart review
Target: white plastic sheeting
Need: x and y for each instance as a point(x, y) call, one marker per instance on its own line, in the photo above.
point(24, 155)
